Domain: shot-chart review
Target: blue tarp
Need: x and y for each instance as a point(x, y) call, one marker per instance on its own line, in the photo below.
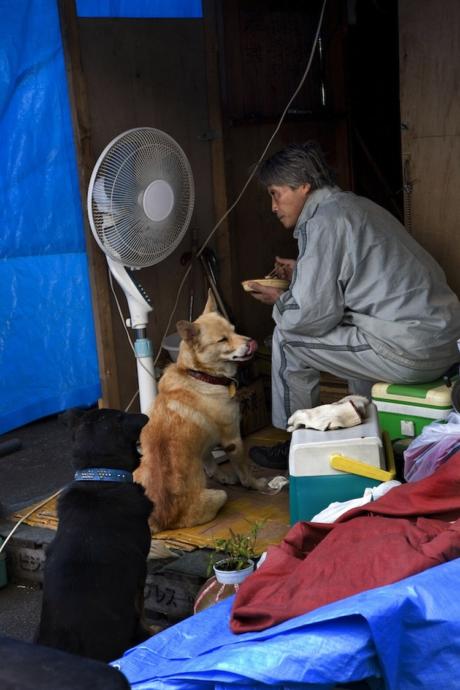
point(48, 356)
point(404, 636)
point(140, 8)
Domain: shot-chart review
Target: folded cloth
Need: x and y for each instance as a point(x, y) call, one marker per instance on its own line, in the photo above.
point(346, 412)
point(405, 532)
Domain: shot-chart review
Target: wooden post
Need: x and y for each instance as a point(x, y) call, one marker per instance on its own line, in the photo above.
point(222, 237)
point(98, 270)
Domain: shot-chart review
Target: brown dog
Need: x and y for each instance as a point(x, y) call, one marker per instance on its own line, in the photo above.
point(196, 410)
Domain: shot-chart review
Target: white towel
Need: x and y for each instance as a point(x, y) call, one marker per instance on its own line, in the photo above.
point(348, 411)
point(336, 509)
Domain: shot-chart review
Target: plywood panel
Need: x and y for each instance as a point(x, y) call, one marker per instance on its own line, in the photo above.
point(434, 202)
point(430, 67)
point(266, 51)
point(430, 115)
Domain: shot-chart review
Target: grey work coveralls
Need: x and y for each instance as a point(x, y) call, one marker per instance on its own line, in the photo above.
point(366, 303)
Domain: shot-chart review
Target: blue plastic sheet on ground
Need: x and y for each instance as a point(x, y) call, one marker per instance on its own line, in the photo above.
point(140, 8)
point(48, 358)
point(404, 636)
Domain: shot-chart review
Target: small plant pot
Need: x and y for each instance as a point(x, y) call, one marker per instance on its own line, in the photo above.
point(223, 584)
point(232, 577)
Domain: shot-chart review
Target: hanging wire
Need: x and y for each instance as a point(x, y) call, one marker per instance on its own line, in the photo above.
point(27, 515)
point(254, 170)
point(232, 206)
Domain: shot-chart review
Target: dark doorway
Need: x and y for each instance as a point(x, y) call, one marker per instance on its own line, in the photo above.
point(373, 93)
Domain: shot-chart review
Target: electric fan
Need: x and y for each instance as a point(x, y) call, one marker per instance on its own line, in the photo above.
point(140, 201)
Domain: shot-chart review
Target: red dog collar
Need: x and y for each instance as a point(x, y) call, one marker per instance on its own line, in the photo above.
point(209, 378)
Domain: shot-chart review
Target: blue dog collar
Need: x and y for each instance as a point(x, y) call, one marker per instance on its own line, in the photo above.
point(102, 474)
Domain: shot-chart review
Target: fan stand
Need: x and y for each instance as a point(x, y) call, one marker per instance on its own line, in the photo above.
point(139, 309)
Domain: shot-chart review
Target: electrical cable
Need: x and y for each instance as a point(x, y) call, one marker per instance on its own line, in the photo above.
point(254, 170)
point(24, 517)
point(239, 196)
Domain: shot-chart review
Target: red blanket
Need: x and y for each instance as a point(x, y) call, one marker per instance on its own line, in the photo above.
point(404, 532)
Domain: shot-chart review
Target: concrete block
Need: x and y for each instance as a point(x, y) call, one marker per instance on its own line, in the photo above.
point(25, 553)
point(172, 588)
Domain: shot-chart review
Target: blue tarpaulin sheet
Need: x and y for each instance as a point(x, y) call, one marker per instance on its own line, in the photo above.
point(404, 636)
point(140, 8)
point(48, 358)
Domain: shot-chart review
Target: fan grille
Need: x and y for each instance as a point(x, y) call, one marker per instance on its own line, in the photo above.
point(116, 197)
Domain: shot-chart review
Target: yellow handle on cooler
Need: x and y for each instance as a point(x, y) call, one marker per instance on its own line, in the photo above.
point(352, 466)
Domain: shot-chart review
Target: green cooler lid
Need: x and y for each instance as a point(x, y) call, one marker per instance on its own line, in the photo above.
point(431, 393)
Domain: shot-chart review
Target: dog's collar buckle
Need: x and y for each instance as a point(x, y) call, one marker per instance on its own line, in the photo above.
point(102, 474)
point(231, 384)
point(232, 389)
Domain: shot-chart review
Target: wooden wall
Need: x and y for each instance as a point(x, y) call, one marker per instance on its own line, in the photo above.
point(218, 86)
point(430, 116)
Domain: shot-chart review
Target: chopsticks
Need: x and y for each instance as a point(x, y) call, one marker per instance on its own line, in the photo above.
point(273, 274)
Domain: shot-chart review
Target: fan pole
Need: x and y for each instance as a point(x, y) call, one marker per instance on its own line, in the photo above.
point(139, 309)
point(145, 370)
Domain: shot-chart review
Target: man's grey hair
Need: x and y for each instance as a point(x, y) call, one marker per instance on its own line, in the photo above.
point(295, 165)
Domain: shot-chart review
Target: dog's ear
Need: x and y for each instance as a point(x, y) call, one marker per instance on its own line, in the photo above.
point(210, 305)
point(187, 330)
point(132, 425)
point(72, 417)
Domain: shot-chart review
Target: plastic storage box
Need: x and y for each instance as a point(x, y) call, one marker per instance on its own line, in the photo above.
point(404, 409)
point(313, 483)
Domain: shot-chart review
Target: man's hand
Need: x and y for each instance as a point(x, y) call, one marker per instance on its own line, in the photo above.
point(284, 268)
point(262, 293)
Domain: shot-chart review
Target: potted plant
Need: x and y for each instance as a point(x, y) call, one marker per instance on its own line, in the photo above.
point(239, 550)
point(230, 571)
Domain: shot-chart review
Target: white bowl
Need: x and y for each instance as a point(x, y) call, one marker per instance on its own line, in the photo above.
point(267, 282)
point(171, 344)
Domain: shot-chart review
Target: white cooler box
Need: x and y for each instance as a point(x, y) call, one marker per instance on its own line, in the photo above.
point(313, 483)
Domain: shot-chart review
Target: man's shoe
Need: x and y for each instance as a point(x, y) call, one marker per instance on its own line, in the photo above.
point(275, 457)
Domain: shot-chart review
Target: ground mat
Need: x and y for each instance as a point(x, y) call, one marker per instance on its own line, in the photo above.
point(243, 508)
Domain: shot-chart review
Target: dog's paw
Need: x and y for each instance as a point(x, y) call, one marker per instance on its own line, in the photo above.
point(260, 483)
point(226, 476)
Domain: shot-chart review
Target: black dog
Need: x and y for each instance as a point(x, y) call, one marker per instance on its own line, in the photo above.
point(95, 567)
